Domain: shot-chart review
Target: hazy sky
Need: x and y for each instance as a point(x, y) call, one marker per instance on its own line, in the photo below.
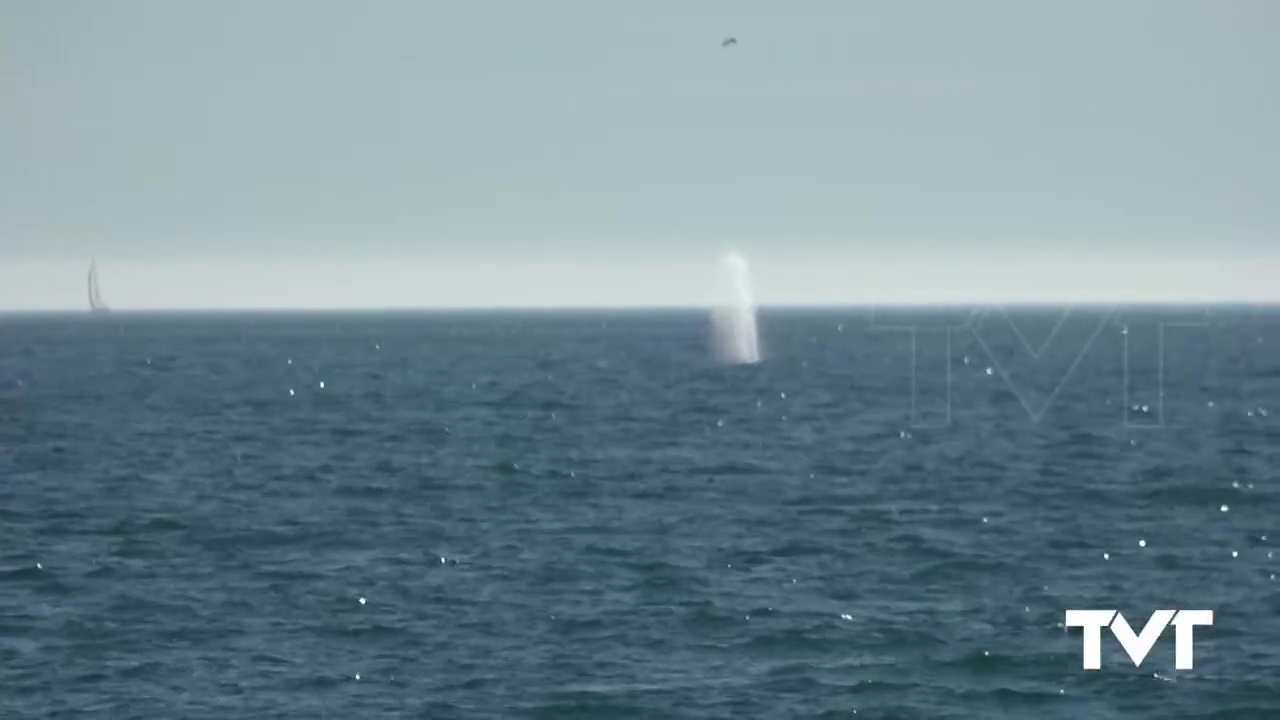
point(242, 153)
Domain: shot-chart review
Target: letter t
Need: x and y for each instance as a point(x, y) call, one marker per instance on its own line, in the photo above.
point(1092, 621)
point(1188, 619)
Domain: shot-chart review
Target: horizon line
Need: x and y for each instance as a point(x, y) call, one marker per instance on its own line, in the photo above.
point(904, 305)
point(940, 282)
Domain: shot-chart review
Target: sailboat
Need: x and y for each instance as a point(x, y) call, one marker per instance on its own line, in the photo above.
point(96, 305)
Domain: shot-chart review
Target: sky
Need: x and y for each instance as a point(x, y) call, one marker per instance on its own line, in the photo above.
point(409, 153)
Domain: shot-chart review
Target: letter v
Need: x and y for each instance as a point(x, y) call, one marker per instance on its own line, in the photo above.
point(1137, 646)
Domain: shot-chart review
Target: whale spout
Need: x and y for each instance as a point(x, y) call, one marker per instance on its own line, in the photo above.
point(734, 336)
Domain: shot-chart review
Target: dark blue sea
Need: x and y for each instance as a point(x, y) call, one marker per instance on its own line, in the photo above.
point(583, 515)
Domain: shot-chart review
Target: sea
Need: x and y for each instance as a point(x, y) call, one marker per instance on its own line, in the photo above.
point(583, 514)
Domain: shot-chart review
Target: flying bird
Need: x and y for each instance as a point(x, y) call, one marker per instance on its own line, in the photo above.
point(728, 42)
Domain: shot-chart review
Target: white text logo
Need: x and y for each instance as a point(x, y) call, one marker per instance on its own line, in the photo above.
point(1138, 645)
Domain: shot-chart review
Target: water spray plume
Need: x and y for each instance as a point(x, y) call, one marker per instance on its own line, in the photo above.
point(734, 319)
